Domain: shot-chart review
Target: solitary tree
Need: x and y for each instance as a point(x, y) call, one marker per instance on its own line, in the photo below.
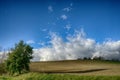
point(19, 58)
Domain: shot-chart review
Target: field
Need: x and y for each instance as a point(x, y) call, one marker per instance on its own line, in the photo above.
point(79, 67)
point(70, 70)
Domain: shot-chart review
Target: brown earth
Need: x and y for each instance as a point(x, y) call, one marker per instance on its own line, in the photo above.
point(81, 67)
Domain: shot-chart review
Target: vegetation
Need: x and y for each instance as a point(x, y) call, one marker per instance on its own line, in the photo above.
point(19, 58)
point(38, 76)
point(2, 57)
point(2, 68)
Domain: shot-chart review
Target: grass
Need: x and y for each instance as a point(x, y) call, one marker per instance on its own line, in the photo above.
point(38, 76)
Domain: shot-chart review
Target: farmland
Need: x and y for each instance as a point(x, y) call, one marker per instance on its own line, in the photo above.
point(79, 67)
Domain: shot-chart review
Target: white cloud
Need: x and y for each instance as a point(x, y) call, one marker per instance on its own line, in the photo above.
point(41, 43)
point(30, 42)
point(50, 8)
point(77, 46)
point(108, 50)
point(64, 17)
point(68, 27)
point(67, 9)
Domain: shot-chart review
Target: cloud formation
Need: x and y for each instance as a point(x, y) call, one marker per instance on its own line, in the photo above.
point(108, 50)
point(30, 42)
point(77, 46)
point(41, 43)
point(67, 9)
point(64, 17)
point(68, 27)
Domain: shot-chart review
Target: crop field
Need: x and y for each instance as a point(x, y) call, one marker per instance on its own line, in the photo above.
point(77, 67)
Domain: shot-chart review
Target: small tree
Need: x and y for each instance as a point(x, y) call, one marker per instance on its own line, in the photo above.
point(19, 58)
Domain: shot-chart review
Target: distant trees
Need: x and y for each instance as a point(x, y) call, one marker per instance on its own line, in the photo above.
point(98, 58)
point(19, 58)
point(95, 58)
point(85, 58)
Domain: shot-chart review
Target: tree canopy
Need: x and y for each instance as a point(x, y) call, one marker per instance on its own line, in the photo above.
point(19, 58)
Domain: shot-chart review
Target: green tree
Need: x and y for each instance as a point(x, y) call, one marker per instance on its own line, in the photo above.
point(19, 58)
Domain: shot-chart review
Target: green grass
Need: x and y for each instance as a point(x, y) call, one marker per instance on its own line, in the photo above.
point(38, 76)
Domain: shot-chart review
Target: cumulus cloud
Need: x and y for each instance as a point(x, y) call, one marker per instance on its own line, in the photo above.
point(108, 50)
point(77, 46)
point(64, 17)
point(50, 8)
point(30, 42)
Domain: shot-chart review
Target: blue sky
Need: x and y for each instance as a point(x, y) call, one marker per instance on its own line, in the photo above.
point(33, 20)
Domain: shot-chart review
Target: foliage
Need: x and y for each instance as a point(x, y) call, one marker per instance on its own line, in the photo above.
point(98, 58)
point(19, 58)
point(2, 58)
point(2, 68)
point(38, 76)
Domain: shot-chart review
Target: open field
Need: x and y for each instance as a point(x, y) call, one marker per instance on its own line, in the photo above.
point(79, 67)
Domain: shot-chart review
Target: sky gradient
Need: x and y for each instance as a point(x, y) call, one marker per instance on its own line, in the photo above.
point(34, 20)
